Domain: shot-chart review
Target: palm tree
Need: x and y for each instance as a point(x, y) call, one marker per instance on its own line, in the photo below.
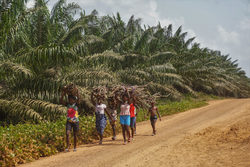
point(42, 50)
point(35, 60)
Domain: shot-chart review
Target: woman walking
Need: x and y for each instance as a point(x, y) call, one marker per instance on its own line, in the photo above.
point(125, 117)
point(101, 119)
point(72, 113)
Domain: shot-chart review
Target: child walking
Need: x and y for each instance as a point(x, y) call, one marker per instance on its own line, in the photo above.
point(135, 121)
point(132, 118)
point(153, 110)
point(112, 105)
point(72, 116)
point(125, 118)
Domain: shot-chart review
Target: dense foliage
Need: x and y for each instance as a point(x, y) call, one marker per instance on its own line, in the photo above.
point(42, 49)
point(26, 142)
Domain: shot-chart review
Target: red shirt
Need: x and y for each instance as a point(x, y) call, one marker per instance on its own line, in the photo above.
point(132, 110)
point(71, 113)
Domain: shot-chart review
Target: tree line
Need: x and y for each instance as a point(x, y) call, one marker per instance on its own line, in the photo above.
point(42, 50)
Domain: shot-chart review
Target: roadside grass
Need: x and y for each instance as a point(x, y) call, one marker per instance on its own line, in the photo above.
point(168, 107)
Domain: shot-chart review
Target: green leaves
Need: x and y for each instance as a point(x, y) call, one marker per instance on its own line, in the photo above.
point(8, 69)
point(48, 111)
point(20, 110)
point(42, 57)
point(17, 111)
point(42, 50)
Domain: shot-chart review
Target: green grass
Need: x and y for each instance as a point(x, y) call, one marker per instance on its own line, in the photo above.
point(167, 107)
point(26, 142)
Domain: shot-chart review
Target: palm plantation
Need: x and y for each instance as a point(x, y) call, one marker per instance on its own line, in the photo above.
point(42, 50)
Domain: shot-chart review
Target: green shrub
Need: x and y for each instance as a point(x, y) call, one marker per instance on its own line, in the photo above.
point(26, 142)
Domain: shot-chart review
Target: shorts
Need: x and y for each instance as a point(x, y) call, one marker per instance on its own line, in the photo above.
point(132, 122)
point(74, 125)
point(153, 118)
point(125, 120)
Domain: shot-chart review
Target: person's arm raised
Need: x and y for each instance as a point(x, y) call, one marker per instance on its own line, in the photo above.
point(109, 115)
point(147, 113)
point(117, 101)
point(62, 101)
point(92, 99)
point(78, 97)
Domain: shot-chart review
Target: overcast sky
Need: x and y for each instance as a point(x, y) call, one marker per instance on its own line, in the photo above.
point(217, 24)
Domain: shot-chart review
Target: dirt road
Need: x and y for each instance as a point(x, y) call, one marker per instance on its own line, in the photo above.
point(215, 135)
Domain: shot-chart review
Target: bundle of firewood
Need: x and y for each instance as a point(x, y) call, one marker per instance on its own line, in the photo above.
point(71, 89)
point(136, 94)
point(99, 93)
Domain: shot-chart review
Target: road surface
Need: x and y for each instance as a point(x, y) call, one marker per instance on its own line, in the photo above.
point(214, 135)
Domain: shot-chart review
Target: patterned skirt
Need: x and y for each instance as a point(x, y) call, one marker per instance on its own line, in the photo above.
point(101, 122)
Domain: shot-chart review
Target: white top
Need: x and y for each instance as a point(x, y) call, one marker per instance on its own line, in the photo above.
point(125, 109)
point(100, 108)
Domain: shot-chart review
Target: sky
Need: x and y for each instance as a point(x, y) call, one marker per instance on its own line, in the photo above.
point(217, 24)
